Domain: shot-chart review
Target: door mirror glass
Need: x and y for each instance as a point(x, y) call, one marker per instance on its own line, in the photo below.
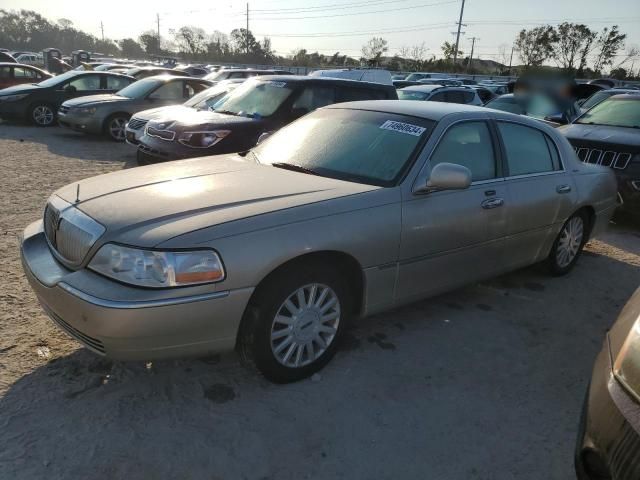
point(448, 176)
point(556, 118)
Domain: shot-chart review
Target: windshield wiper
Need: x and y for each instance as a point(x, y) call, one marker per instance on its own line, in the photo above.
point(295, 168)
point(227, 112)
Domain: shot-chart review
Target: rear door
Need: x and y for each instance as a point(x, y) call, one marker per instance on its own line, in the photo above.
point(542, 194)
point(6, 76)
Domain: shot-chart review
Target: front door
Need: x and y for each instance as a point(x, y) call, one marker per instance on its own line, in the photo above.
point(454, 237)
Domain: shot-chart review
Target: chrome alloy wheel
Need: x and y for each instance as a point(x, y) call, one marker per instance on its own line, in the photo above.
point(570, 241)
point(305, 325)
point(117, 128)
point(43, 115)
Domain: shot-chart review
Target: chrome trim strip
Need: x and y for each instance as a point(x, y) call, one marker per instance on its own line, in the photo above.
point(118, 304)
point(539, 174)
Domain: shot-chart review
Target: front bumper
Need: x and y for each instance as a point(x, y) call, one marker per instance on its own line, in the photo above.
point(132, 137)
point(80, 122)
point(128, 323)
point(158, 150)
point(608, 444)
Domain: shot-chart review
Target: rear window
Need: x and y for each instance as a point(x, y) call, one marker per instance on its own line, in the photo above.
point(412, 95)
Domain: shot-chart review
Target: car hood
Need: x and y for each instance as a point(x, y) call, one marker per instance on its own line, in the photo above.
point(172, 111)
point(624, 137)
point(96, 100)
point(18, 89)
point(198, 119)
point(148, 205)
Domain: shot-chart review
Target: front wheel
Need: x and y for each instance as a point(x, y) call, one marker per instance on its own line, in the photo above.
point(568, 244)
point(114, 127)
point(42, 115)
point(298, 318)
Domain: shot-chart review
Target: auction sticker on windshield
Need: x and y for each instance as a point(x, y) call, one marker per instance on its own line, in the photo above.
point(407, 128)
point(277, 84)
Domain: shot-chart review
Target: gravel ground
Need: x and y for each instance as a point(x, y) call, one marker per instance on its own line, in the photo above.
point(482, 383)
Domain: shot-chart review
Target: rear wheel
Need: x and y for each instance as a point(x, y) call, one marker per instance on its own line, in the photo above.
point(296, 322)
point(114, 127)
point(42, 115)
point(568, 244)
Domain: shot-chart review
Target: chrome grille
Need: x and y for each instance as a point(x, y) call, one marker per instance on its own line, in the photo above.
point(162, 134)
point(607, 158)
point(137, 123)
point(70, 232)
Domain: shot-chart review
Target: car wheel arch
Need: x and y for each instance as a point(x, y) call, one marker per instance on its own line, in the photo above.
point(113, 115)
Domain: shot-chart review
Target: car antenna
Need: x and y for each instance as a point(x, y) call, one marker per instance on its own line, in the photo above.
point(77, 193)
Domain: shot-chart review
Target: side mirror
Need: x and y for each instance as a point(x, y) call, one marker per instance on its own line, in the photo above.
point(557, 118)
point(263, 137)
point(70, 89)
point(447, 176)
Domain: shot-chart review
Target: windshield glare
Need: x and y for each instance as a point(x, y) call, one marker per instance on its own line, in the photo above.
point(207, 98)
point(614, 113)
point(595, 99)
point(374, 148)
point(53, 81)
point(138, 89)
point(255, 98)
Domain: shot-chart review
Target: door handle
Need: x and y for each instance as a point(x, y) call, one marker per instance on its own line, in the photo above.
point(563, 188)
point(492, 203)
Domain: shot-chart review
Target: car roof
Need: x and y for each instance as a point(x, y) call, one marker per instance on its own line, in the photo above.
point(430, 88)
point(307, 79)
point(166, 78)
point(428, 110)
point(626, 96)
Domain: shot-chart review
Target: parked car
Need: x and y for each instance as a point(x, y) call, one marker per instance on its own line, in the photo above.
point(108, 114)
point(235, 73)
point(602, 95)
point(194, 71)
point(107, 67)
point(204, 100)
point(39, 103)
point(543, 107)
point(438, 93)
point(15, 74)
point(416, 76)
point(30, 59)
point(373, 75)
point(398, 77)
point(446, 82)
point(353, 209)
point(485, 94)
point(89, 66)
point(608, 445)
point(143, 72)
point(260, 105)
point(406, 83)
point(496, 88)
point(609, 135)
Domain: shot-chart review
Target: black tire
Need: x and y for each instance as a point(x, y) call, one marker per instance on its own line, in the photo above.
point(559, 264)
point(255, 342)
point(109, 129)
point(42, 114)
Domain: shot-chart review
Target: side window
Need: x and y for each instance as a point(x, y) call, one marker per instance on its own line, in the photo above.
point(191, 88)
point(117, 83)
point(349, 94)
point(527, 150)
point(168, 91)
point(5, 72)
point(438, 97)
point(85, 83)
point(455, 96)
point(469, 97)
point(312, 98)
point(20, 72)
point(468, 144)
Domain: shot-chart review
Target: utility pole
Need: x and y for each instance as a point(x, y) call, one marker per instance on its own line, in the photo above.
point(455, 53)
point(102, 29)
point(247, 28)
point(473, 44)
point(513, 47)
point(158, 34)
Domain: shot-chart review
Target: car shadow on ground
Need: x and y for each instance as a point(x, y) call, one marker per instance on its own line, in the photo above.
point(431, 387)
point(66, 143)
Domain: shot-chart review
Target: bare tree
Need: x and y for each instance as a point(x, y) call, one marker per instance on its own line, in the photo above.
point(373, 50)
point(609, 43)
point(504, 54)
point(418, 55)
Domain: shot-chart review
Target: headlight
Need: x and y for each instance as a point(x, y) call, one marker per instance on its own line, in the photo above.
point(84, 110)
point(157, 269)
point(204, 139)
point(627, 364)
point(13, 98)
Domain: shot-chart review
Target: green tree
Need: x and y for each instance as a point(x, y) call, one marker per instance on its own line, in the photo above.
point(573, 43)
point(449, 49)
point(609, 42)
point(130, 48)
point(150, 41)
point(535, 46)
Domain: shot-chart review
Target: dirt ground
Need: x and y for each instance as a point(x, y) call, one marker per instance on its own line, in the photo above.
point(482, 383)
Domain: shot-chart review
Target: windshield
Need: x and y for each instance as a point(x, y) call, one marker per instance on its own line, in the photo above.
point(614, 113)
point(53, 81)
point(415, 77)
point(595, 99)
point(374, 148)
point(411, 95)
point(209, 97)
point(506, 105)
point(255, 99)
point(139, 89)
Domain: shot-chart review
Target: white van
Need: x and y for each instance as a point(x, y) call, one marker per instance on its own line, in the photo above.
point(361, 74)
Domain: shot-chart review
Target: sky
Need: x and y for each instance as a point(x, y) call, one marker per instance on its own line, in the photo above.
point(329, 26)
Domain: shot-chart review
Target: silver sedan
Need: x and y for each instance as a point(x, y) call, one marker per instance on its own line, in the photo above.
point(351, 210)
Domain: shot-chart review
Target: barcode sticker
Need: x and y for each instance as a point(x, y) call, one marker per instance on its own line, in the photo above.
point(407, 128)
point(277, 84)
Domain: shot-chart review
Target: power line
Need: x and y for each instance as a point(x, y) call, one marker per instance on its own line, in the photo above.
point(386, 31)
point(334, 6)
